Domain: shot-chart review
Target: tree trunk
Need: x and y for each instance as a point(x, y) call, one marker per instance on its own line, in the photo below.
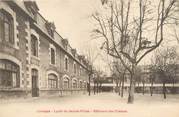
point(173, 88)
point(94, 88)
point(97, 87)
point(132, 85)
point(151, 88)
point(164, 90)
point(131, 92)
point(89, 86)
point(138, 88)
point(143, 88)
point(119, 87)
point(116, 89)
point(122, 89)
point(100, 88)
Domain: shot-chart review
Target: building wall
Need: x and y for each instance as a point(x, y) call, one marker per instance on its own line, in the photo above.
point(20, 53)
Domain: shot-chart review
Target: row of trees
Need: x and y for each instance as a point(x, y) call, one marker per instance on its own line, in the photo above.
point(131, 29)
point(165, 67)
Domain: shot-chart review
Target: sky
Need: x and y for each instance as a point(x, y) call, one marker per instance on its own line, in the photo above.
point(73, 21)
point(72, 18)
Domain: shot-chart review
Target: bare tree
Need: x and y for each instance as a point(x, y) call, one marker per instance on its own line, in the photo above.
point(139, 78)
point(120, 71)
point(92, 56)
point(129, 35)
point(152, 75)
point(166, 65)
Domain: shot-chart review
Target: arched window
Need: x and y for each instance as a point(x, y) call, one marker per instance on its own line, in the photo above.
point(34, 46)
point(74, 83)
point(81, 84)
point(6, 27)
point(85, 85)
point(52, 53)
point(52, 81)
point(9, 74)
point(66, 83)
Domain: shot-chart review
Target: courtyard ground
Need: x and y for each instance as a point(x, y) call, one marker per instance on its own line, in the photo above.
point(100, 105)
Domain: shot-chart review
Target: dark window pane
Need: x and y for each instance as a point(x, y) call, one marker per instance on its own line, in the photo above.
point(34, 72)
point(1, 15)
point(1, 29)
point(66, 63)
point(52, 56)
point(6, 31)
point(34, 46)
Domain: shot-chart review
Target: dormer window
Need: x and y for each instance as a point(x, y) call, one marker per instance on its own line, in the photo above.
point(50, 28)
point(65, 43)
point(32, 8)
point(6, 27)
point(73, 51)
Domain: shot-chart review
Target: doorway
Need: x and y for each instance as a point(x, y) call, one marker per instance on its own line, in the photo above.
point(35, 88)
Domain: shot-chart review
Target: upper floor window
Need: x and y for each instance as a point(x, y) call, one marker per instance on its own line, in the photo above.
point(66, 63)
point(52, 56)
point(34, 45)
point(74, 68)
point(80, 70)
point(6, 27)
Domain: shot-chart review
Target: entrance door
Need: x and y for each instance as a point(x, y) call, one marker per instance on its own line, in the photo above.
point(35, 89)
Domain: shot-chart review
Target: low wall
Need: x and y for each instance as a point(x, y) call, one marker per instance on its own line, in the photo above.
point(14, 93)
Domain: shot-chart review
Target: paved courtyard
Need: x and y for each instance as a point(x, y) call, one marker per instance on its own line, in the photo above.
point(100, 105)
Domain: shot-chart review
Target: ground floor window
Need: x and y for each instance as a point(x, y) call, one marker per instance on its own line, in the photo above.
point(52, 81)
point(85, 85)
point(81, 84)
point(66, 83)
point(9, 74)
point(74, 84)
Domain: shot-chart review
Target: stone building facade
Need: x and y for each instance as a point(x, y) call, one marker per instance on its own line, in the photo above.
point(34, 59)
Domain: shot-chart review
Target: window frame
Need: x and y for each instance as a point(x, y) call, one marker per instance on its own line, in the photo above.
point(6, 18)
point(52, 56)
point(11, 73)
point(75, 84)
point(66, 63)
point(52, 82)
point(66, 83)
point(34, 46)
point(74, 68)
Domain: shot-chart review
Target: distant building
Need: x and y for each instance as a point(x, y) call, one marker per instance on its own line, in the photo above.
point(145, 79)
point(107, 84)
point(34, 59)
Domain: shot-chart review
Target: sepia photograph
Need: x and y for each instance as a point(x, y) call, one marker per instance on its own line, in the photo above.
point(89, 58)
